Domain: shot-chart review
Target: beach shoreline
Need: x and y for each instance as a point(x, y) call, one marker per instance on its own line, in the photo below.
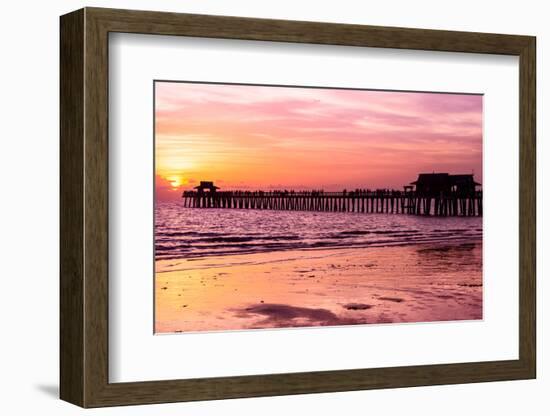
point(321, 287)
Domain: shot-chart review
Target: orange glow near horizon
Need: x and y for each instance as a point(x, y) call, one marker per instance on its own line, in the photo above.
point(258, 137)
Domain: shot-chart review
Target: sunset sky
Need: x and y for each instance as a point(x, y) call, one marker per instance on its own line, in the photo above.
point(252, 137)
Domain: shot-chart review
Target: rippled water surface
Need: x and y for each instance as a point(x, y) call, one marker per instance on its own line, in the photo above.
point(190, 233)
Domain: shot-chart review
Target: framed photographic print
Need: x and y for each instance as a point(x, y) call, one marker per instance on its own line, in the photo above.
point(255, 207)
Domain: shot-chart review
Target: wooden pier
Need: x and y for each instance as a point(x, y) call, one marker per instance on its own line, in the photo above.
point(360, 201)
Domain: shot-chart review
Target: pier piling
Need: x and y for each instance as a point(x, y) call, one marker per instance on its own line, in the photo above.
point(359, 201)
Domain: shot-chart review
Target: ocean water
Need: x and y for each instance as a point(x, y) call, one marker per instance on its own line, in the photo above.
point(195, 233)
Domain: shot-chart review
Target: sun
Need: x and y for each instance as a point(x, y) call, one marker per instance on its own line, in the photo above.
point(175, 181)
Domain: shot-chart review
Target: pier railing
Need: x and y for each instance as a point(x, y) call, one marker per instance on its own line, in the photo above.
point(362, 201)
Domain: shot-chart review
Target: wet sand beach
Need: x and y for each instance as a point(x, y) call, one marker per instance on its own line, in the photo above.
point(320, 287)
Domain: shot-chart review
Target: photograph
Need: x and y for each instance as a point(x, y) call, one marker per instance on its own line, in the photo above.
point(289, 206)
point(277, 207)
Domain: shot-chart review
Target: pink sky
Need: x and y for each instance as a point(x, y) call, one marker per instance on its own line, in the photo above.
point(252, 137)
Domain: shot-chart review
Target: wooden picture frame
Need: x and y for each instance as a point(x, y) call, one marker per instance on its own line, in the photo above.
point(84, 207)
